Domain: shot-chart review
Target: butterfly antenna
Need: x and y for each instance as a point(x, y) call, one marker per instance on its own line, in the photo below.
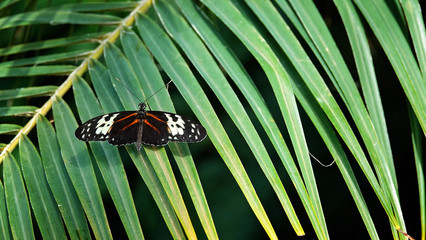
point(165, 86)
point(146, 100)
point(128, 89)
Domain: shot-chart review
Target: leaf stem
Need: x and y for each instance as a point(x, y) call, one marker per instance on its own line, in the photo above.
point(79, 71)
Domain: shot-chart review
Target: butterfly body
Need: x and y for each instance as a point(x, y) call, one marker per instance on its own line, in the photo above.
point(154, 128)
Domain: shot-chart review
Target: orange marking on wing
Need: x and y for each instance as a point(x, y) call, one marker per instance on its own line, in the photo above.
point(126, 117)
point(158, 119)
point(155, 117)
point(152, 126)
point(127, 126)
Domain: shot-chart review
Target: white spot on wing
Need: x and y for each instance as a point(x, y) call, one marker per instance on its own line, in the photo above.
point(103, 126)
point(176, 127)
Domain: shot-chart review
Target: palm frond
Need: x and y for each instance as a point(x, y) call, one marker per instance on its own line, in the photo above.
point(16, 197)
point(252, 113)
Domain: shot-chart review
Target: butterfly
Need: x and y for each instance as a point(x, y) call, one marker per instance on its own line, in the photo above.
point(154, 128)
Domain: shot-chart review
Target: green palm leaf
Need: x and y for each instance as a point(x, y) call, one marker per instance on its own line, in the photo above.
point(60, 182)
point(17, 201)
point(44, 206)
point(252, 72)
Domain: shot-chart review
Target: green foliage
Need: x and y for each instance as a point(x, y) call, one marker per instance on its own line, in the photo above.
point(252, 72)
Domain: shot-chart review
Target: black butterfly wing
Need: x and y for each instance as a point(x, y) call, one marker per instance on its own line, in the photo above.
point(125, 129)
point(117, 128)
point(161, 127)
point(153, 128)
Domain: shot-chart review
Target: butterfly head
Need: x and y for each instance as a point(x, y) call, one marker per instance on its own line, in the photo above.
point(142, 107)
